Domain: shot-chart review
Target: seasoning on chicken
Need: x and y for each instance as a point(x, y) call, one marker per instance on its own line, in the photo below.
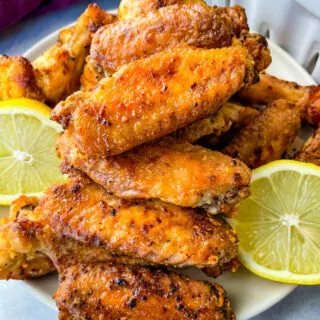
point(267, 136)
point(151, 98)
point(115, 291)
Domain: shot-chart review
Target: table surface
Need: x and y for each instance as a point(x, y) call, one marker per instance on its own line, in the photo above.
point(16, 303)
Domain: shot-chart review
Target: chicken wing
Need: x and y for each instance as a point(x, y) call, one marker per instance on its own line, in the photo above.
point(270, 88)
point(268, 136)
point(257, 46)
point(114, 291)
point(58, 69)
point(17, 79)
point(151, 98)
point(232, 119)
point(178, 173)
point(147, 230)
point(310, 151)
point(20, 257)
point(168, 27)
point(138, 8)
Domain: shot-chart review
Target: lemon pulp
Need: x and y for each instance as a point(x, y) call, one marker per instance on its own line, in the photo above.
point(279, 224)
point(28, 161)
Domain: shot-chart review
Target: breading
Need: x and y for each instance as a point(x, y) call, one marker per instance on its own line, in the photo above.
point(268, 136)
point(271, 88)
point(113, 291)
point(17, 79)
point(154, 97)
point(178, 173)
point(20, 257)
point(59, 68)
point(131, 39)
point(150, 230)
point(310, 151)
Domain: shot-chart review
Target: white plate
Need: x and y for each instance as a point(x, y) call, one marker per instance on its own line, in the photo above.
point(249, 294)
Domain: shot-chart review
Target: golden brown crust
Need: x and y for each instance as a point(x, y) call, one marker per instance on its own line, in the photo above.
point(20, 257)
point(130, 39)
point(268, 136)
point(271, 88)
point(91, 75)
point(59, 68)
point(129, 9)
point(237, 17)
point(257, 46)
point(148, 99)
point(178, 173)
point(113, 291)
point(236, 117)
point(310, 151)
point(149, 230)
point(17, 79)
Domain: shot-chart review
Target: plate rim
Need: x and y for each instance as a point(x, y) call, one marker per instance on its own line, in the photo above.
point(48, 41)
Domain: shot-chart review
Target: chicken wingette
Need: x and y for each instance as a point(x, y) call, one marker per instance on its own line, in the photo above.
point(267, 136)
point(151, 98)
point(20, 256)
point(149, 230)
point(137, 8)
point(131, 39)
point(58, 69)
point(271, 88)
point(114, 291)
point(17, 79)
point(177, 173)
point(310, 151)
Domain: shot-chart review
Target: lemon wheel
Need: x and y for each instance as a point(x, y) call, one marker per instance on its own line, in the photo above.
point(279, 224)
point(28, 161)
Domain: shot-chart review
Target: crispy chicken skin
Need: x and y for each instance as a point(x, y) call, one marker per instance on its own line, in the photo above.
point(231, 119)
point(178, 173)
point(58, 69)
point(257, 46)
point(310, 151)
point(17, 79)
point(151, 98)
point(230, 114)
point(20, 257)
point(137, 8)
point(130, 39)
point(114, 291)
point(268, 136)
point(270, 88)
point(149, 230)
point(92, 74)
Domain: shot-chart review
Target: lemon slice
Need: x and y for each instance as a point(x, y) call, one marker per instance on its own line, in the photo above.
point(28, 161)
point(279, 224)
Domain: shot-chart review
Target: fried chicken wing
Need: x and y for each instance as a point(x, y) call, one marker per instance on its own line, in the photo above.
point(177, 173)
point(137, 8)
point(58, 69)
point(232, 119)
point(270, 88)
point(268, 136)
point(114, 291)
point(310, 151)
point(153, 97)
point(149, 230)
point(257, 46)
point(20, 257)
point(17, 79)
point(134, 38)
